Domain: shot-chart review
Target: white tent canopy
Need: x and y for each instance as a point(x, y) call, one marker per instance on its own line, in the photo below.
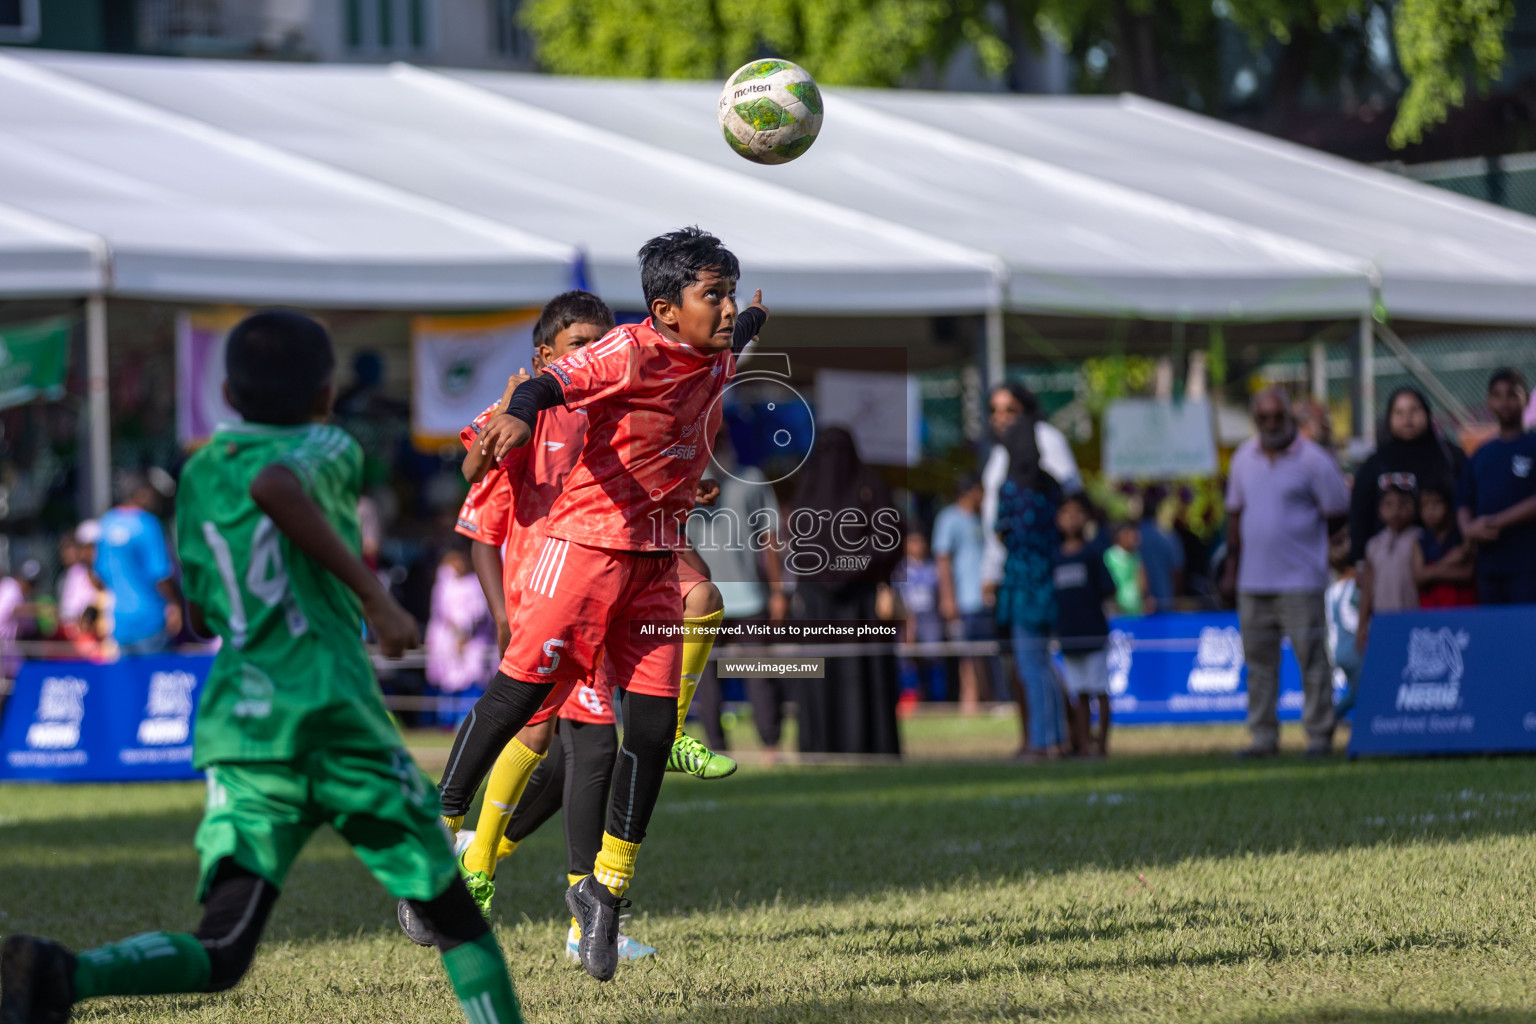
point(192, 212)
point(1439, 256)
point(529, 172)
point(393, 186)
point(1071, 243)
point(38, 257)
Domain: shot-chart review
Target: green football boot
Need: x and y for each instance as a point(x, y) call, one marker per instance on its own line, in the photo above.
point(690, 757)
point(481, 887)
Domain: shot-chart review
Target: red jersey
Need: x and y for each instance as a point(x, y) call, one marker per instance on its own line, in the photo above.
point(497, 513)
point(653, 408)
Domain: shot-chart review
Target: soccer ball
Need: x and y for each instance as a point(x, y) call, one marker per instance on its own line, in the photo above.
point(770, 111)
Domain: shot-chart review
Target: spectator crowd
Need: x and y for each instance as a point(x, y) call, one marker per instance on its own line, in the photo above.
point(1021, 554)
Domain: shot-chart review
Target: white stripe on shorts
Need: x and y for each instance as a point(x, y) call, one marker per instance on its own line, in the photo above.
point(565, 547)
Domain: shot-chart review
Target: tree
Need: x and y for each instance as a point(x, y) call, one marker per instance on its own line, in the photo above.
point(1167, 49)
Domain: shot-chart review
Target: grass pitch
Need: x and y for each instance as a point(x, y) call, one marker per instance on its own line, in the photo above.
point(1164, 884)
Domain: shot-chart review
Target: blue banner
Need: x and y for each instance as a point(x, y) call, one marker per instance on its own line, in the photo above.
point(1447, 682)
point(1187, 668)
point(77, 721)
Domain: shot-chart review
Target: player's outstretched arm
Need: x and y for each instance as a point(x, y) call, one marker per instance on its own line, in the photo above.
point(748, 322)
point(278, 493)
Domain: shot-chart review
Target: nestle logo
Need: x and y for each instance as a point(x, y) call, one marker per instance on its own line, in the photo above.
point(681, 451)
point(1428, 696)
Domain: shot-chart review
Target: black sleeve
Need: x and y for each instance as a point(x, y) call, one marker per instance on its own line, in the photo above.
point(748, 322)
point(533, 396)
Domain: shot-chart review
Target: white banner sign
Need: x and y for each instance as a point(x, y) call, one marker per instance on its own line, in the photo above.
point(883, 412)
point(460, 364)
point(1145, 439)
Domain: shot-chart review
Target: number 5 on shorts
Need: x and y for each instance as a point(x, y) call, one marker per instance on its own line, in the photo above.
point(553, 654)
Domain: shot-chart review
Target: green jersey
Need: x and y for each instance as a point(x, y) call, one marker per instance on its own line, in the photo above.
point(292, 675)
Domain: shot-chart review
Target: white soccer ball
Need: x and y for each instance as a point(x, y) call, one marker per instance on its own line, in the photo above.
point(770, 111)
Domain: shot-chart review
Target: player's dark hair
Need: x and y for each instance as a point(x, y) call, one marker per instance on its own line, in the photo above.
point(277, 362)
point(967, 483)
point(1508, 375)
point(673, 261)
point(574, 307)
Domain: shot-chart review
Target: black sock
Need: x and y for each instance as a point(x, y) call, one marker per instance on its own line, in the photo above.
point(234, 914)
point(590, 753)
point(541, 797)
point(496, 717)
point(650, 724)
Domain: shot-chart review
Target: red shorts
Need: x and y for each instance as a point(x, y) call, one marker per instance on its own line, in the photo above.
point(591, 701)
point(576, 610)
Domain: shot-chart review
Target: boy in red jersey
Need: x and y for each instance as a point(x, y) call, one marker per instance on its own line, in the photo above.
point(650, 394)
point(507, 507)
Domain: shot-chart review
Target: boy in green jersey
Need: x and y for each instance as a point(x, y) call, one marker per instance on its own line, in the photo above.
point(291, 728)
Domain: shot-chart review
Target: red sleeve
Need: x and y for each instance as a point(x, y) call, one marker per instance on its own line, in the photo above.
point(469, 433)
point(605, 367)
point(487, 511)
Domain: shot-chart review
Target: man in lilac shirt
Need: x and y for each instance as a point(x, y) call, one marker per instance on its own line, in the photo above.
point(1285, 498)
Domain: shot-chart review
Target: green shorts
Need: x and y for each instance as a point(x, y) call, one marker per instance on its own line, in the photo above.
point(261, 814)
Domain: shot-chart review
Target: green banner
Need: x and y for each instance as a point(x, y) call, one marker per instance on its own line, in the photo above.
point(34, 360)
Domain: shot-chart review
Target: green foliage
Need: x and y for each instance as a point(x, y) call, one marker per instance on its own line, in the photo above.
point(842, 42)
point(1165, 48)
point(1444, 44)
point(1119, 376)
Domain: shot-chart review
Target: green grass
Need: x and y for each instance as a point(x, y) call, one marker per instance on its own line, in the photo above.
point(1150, 887)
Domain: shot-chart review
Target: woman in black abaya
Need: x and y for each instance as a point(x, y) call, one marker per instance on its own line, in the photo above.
point(1410, 448)
point(852, 710)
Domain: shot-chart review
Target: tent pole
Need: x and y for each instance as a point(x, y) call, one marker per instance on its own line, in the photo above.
point(1320, 372)
point(1368, 379)
point(97, 410)
point(996, 356)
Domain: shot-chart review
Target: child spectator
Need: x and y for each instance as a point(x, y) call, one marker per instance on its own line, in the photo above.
point(91, 637)
point(1342, 607)
point(79, 589)
point(16, 607)
point(1443, 562)
point(1123, 560)
point(1386, 583)
point(459, 641)
point(919, 592)
point(1496, 502)
point(1083, 588)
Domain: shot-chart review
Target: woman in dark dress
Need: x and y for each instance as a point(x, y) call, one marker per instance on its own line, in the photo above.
point(1409, 447)
point(852, 710)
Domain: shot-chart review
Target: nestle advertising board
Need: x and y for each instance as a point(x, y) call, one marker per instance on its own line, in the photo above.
point(83, 722)
point(1448, 682)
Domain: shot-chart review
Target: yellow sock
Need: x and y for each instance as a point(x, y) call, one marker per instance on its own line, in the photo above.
point(701, 638)
point(454, 824)
point(505, 849)
point(615, 864)
point(572, 879)
point(508, 779)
